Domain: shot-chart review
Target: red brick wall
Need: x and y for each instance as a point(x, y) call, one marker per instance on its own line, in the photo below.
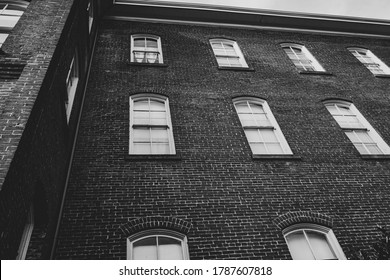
point(235, 205)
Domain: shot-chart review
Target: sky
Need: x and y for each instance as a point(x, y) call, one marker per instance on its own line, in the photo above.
point(374, 9)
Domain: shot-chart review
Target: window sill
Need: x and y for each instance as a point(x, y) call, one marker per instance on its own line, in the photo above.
point(244, 69)
point(276, 157)
point(382, 75)
point(324, 73)
point(152, 157)
point(376, 157)
point(148, 64)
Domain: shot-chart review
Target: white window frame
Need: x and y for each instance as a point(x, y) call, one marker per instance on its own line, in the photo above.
point(26, 236)
point(370, 60)
point(274, 124)
point(91, 14)
point(297, 59)
point(168, 126)
point(365, 126)
point(158, 233)
point(134, 50)
point(72, 81)
point(238, 54)
point(327, 232)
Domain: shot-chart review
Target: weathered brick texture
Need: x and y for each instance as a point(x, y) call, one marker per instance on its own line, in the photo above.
point(237, 206)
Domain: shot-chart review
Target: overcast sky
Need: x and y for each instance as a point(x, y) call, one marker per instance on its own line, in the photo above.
point(376, 9)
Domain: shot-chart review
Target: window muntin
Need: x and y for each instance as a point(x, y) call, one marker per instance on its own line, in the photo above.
point(312, 242)
point(71, 84)
point(227, 53)
point(150, 125)
point(157, 245)
point(363, 136)
point(261, 129)
point(146, 49)
point(302, 58)
point(372, 63)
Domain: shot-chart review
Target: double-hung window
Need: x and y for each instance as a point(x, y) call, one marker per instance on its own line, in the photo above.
point(372, 63)
point(302, 58)
point(71, 84)
point(146, 49)
point(227, 53)
point(157, 245)
point(261, 128)
point(364, 137)
point(312, 242)
point(10, 13)
point(150, 125)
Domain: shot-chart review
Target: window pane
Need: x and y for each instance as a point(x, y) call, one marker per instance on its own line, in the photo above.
point(141, 117)
point(233, 61)
point(268, 135)
point(352, 136)
point(160, 148)
point(258, 148)
point(247, 120)
point(256, 108)
point(158, 118)
point(156, 105)
point(151, 43)
point(141, 135)
point(262, 120)
point(252, 135)
point(145, 249)
point(242, 107)
point(374, 149)
point(169, 249)
point(361, 148)
point(274, 148)
point(141, 148)
point(159, 135)
point(141, 105)
point(299, 248)
point(364, 137)
point(223, 61)
point(320, 246)
point(139, 42)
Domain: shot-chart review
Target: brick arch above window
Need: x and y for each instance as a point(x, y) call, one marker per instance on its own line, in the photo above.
point(296, 217)
point(155, 222)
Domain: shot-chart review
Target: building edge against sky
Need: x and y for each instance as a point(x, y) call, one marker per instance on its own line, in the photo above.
point(41, 118)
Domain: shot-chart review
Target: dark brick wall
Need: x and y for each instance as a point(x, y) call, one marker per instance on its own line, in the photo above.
point(37, 158)
point(236, 205)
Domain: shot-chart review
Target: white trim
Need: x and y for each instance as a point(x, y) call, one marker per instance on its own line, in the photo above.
point(330, 237)
point(160, 59)
point(245, 26)
point(275, 126)
point(238, 54)
point(157, 233)
point(169, 128)
point(308, 56)
point(26, 236)
point(382, 145)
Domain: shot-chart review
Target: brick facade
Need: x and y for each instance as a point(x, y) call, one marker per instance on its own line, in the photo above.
point(233, 206)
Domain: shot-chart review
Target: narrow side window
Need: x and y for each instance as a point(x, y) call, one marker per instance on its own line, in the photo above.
point(261, 129)
point(72, 80)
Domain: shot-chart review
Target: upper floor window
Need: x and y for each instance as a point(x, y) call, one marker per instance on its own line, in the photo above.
point(150, 125)
point(146, 49)
point(10, 13)
point(364, 137)
point(227, 53)
point(312, 242)
point(261, 128)
point(374, 64)
point(302, 58)
point(157, 245)
point(71, 84)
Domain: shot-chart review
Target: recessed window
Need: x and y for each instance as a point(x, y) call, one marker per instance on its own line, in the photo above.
point(146, 49)
point(26, 236)
point(372, 63)
point(157, 245)
point(302, 58)
point(261, 129)
point(227, 53)
point(71, 84)
point(150, 125)
point(312, 242)
point(91, 16)
point(364, 137)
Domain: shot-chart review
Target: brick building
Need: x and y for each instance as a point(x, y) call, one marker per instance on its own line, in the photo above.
point(218, 133)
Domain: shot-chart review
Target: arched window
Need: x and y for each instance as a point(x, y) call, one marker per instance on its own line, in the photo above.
point(146, 49)
point(374, 64)
point(227, 53)
point(150, 125)
point(260, 126)
point(157, 244)
point(312, 242)
point(302, 58)
point(364, 137)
